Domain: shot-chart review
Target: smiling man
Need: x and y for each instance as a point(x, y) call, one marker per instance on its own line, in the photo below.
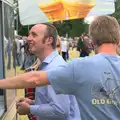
point(71, 78)
point(42, 42)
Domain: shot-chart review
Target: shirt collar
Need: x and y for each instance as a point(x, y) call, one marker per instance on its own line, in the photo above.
point(49, 58)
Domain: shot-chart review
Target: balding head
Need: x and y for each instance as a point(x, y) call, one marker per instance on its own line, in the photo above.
point(38, 27)
point(48, 30)
point(104, 29)
point(42, 37)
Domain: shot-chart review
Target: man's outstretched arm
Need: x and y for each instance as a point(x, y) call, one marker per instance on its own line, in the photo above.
point(61, 79)
point(26, 80)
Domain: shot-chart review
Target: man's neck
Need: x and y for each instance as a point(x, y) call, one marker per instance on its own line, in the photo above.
point(45, 54)
point(107, 49)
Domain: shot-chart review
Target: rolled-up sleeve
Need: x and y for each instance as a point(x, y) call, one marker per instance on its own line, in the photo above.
point(47, 111)
point(62, 78)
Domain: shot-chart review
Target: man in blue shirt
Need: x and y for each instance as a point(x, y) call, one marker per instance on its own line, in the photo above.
point(95, 80)
point(48, 106)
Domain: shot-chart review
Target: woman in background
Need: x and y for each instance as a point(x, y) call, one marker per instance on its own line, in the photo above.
point(58, 45)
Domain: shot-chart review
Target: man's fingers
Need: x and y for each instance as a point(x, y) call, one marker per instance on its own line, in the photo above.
point(21, 100)
point(18, 111)
point(18, 105)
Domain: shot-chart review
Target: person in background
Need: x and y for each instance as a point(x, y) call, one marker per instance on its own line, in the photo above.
point(23, 46)
point(9, 54)
point(58, 44)
point(18, 62)
point(30, 58)
point(64, 48)
point(68, 48)
point(84, 47)
point(5, 46)
point(22, 52)
point(88, 45)
point(14, 53)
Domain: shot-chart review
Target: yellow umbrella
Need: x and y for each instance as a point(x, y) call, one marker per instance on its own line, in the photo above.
point(57, 10)
point(41, 11)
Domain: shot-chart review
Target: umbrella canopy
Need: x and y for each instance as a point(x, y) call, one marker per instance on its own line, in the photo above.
point(41, 11)
point(30, 13)
point(57, 10)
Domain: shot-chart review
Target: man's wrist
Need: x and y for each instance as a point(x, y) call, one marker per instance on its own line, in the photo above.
point(33, 109)
point(32, 102)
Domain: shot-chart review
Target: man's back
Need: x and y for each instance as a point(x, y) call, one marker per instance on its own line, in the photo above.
point(101, 85)
point(95, 83)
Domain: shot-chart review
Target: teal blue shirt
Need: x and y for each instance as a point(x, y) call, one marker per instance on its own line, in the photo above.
point(95, 82)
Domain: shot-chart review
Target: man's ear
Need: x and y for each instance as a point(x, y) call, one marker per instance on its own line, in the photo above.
point(118, 49)
point(119, 43)
point(49, 41)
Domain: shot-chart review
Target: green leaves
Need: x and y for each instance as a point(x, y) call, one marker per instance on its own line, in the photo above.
point(117, 10)
point(74, 28)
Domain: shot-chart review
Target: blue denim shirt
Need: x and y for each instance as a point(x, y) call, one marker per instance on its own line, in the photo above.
point(48, 105)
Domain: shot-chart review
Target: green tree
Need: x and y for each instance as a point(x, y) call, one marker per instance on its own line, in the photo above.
point(116, 14)
point(22, 30)
point(78, 27)
point(74, 28)
point(79, 44)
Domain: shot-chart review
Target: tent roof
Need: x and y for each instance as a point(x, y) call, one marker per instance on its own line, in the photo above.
point(30, 13)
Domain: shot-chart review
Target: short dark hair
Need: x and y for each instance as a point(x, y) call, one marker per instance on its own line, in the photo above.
point(52, 32)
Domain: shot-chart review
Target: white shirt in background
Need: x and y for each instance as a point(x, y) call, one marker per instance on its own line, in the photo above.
point(64, 46)
point(22, 43)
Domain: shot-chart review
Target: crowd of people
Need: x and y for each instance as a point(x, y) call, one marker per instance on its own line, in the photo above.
point(86, 88)
point(23, 57)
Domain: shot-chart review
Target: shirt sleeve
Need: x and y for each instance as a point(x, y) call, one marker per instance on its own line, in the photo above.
point(62, 78)
point(47, 111)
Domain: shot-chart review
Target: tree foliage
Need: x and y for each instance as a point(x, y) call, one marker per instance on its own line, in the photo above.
point(74, 28)
point(116, 14)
